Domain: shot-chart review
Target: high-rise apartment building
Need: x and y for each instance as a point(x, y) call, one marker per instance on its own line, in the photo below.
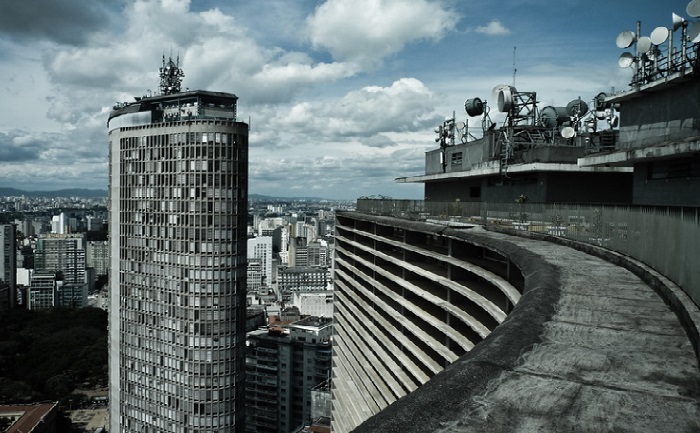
point(261, 248)
point(63, 254)
point(8, 266)
point(97, 256)
point(178, 214)
point(283, 367)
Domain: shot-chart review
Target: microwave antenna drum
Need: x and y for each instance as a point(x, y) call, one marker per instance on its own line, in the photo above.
point(577, 108)
point(474, 107)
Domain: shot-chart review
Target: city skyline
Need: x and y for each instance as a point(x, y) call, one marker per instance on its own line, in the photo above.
point(341, 100)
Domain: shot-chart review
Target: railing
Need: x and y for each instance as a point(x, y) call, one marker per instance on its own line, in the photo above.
point(665, 238)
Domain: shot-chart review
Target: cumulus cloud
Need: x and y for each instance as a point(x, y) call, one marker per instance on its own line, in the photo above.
point(406, 105)
point(366, 31)
point(495, 27)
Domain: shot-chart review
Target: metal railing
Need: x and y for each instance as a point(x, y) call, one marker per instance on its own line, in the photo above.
point(665, 238)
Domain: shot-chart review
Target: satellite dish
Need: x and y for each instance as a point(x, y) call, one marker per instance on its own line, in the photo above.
point(568, 132)
point(626, 39)
point(474, 107)
point(577, 108)
point(643, 44)
point(693, 8)
point(461, 125)
point(626, 60)
point(614, 121)
point(694, 32)
point(659, 35)
point(677, 21)
point(601, 115)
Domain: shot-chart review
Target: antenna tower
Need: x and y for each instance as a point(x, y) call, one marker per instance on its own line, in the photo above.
point(514, 68)
point(170, 76)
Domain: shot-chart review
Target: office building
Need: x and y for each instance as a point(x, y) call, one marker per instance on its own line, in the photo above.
point(302, 279)
point(261, 248)
point(283, 367)
point(97, 256)
point(42, 291)
point(8, 266)
point(178, 216)
point(63, 254)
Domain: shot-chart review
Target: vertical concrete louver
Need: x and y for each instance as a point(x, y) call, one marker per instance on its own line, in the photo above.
point(409, 301)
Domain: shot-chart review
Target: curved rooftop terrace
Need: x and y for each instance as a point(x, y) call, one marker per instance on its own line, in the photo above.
point(597, 342)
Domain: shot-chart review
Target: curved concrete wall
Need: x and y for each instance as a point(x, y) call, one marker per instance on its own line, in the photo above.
point(411, 298)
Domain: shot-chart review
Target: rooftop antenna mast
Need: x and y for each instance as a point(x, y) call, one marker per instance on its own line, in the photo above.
point(171, 76)
point(514, 68)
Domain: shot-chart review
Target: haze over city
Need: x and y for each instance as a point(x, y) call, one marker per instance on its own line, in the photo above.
point(342, 97)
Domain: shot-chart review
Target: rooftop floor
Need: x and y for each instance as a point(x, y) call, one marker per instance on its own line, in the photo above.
point(591, 347)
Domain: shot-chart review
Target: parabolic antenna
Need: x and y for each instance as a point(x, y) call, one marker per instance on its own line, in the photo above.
point(577, 108)
point(643, 44)
point(694, 32)
point(625, 60)
point(568, 132)
point(626, 39)
point(474, 107)
point(693, 8)
point(659, 35)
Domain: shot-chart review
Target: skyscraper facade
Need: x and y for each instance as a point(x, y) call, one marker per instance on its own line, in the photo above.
point(8, 266)
point(64, 254)
point(178, 213)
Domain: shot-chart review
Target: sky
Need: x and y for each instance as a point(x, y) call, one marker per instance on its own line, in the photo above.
point(342, 96)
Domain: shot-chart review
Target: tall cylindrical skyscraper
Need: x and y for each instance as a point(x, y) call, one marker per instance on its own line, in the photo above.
point(178, 215)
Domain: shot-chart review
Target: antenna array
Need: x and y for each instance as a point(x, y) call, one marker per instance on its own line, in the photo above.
point(656, 56)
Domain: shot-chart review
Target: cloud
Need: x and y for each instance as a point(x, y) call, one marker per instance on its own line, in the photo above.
point(406, 105)
point(493, 28)
point(66, 22)
point(366, 31)
point(16, 147)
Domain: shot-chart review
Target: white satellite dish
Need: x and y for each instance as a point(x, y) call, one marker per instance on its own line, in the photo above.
point(568, 132)
point(643, 44)
point(693, 8)
point(659, 35)
point(626, 60)
point(694, 32)
point(626, 39)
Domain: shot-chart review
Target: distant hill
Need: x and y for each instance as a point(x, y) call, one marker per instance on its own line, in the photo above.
point(71, 192)
point(98, 193)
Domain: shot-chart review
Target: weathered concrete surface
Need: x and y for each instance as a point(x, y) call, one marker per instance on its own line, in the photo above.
point(590, 348)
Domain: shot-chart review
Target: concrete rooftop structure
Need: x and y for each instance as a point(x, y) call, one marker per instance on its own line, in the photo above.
point(594, 344)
